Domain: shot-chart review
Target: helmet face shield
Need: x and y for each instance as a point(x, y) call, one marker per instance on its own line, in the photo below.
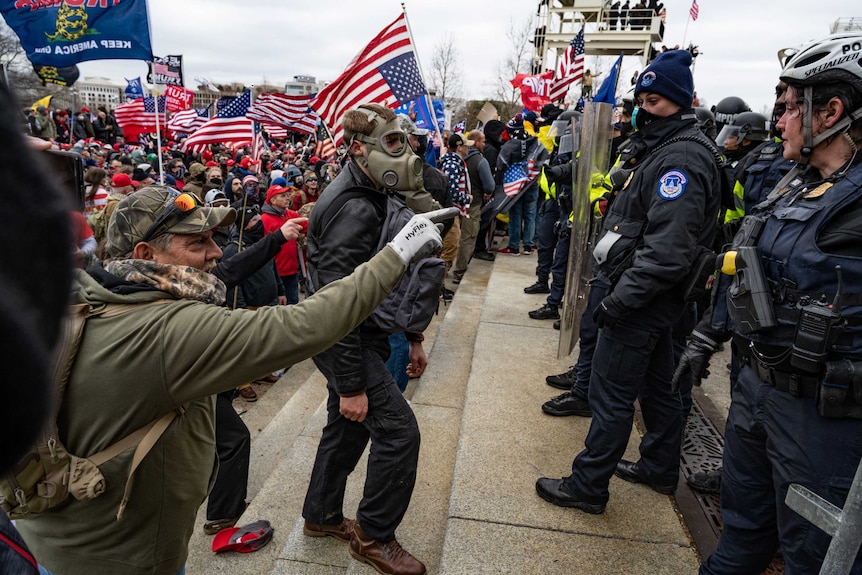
point(728, 137)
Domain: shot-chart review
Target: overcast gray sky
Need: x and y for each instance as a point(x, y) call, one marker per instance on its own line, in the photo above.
point(253, 40)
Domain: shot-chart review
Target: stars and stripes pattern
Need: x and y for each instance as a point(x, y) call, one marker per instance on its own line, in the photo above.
point(229, 126)
point(324, 148)
point(384, 72)
point(694, 11)
point(189, 121)
point(570, 69)
point(519, 175)
point(140, 113)
point(282, 109)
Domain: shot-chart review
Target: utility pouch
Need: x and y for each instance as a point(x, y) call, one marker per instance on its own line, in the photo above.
point(839, 395)
point(749, 231)
point(701, 276)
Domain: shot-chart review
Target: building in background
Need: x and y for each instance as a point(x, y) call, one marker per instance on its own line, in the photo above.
point(303, 85)
point(93, 92)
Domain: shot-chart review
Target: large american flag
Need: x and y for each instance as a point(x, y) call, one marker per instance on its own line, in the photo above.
point(519, 175)
point(141, 113)
point(694, 11)
point(385, 72)
point(230, 126)
point(280, 109)
point(189, 121)
point(570, 69)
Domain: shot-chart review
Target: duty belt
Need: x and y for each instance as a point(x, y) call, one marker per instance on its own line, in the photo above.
point(778, 376)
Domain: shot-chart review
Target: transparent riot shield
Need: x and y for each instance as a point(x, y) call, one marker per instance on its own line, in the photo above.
point(595, 146)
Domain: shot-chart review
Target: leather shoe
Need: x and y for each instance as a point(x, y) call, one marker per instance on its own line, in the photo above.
point(248, 394)
point(547, 311)
point(567, 404)
point(269, 378)
point(557, 325)
point(629, 471)
point(555, 491)
point(538, 287)
point(486, 256)
point(387, 558)
point(342, 531)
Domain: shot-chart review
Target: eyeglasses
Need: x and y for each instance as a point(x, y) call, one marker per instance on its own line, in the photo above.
point(180, 204)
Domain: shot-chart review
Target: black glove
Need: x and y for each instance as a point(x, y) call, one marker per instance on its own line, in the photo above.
point(608, 312)
point(694, 359)
point(554, 173)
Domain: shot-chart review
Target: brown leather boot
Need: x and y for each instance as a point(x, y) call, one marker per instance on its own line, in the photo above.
point(342, 531)
point(388, 558)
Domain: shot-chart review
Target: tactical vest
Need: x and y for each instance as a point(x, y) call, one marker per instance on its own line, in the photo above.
point(764, 174)
point(549, 189)
point(798, 271)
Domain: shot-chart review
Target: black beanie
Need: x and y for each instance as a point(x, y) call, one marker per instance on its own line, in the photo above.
point(669, 75)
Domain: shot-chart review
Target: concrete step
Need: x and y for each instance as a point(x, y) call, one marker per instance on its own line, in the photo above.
point(273, 422)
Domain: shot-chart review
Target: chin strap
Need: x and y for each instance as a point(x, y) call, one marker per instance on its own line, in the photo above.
point(809, 141)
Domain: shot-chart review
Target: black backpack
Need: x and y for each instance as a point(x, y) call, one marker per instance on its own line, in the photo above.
point(413, 303)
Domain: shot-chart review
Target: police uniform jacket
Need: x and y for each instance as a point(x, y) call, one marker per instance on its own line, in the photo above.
point(665, 210)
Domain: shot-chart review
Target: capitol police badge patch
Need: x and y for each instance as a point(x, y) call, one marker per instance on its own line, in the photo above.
point(672, 184)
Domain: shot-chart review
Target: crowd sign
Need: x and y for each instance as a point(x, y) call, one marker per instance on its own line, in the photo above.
point(61, 33)
point(167, 71)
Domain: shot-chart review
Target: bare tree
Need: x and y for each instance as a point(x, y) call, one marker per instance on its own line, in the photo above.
point(23, 81)
point(446, 69)
point(516, 62)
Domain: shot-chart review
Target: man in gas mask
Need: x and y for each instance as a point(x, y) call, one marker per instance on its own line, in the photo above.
point(364, 401)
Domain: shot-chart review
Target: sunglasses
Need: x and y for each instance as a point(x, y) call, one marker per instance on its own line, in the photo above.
point(181, 204)
point(311, 180)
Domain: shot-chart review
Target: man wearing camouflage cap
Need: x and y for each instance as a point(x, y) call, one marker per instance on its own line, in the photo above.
point(161, 351)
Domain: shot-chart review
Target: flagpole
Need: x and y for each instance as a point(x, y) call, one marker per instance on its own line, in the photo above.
point(159, 137)
point(433, 117)
point(687, 20)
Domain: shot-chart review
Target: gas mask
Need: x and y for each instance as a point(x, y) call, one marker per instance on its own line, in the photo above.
point(391, 161)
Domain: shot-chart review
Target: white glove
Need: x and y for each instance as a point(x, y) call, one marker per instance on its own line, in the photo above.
point(419, 239)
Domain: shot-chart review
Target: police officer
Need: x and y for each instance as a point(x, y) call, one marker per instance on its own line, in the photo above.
point(794, 415)
point(665, 214)
point(727, 109)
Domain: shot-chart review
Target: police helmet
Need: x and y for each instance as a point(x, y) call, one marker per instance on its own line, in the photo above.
point(749, 126)
point(727, 109)
point(562, 127)
point(706, 122)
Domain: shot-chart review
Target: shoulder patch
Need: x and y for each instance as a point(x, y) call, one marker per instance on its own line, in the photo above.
point(671, 184)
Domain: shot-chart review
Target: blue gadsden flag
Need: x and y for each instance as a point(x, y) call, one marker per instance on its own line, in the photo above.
point(65, 32)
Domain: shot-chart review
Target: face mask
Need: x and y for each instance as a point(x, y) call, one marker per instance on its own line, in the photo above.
point(422, 148)
point(641, 118)
point(251, 190)
point(391, 161)
point(217, 181)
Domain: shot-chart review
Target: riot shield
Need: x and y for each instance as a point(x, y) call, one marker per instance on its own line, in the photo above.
point(595, 147)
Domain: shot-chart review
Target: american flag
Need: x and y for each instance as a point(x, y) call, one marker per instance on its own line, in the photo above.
point(571, 68)
point(519, 175)
point(141, 113)
point(694, 11)
point(230, 126)
point(258, 145)
point(324, 148)
point(384, 71)
point(274, 130)
point(188, 121)
point(279, 108)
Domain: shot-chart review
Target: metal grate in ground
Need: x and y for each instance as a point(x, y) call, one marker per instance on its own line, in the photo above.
point(702, 449)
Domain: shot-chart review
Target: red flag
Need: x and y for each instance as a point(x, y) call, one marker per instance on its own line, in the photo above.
point(570, 69)
point(694, 10)
point(178, 99)
point(230, 126)
point(385, 72)
point(534, 89)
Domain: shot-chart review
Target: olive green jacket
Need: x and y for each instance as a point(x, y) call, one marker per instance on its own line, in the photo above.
point(133, 368)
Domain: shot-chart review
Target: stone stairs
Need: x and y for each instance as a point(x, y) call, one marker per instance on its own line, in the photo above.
point(484, 443)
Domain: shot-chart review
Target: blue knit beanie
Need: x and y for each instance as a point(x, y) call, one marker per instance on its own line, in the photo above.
point(669, 75)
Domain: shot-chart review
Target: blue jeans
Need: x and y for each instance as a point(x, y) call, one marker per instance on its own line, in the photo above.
point(523, 214)
point(43, 571)
point(630, 362)
point(399, 357)
point(291, 288)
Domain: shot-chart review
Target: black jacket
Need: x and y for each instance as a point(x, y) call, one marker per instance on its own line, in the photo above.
point(337, 244)
point(260, 283)
point(668, 207)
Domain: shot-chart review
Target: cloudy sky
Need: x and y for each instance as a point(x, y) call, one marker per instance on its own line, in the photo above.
point(253, 41)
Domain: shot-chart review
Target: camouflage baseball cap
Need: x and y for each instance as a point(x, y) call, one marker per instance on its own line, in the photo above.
point(197, 168)
point(137, 212)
